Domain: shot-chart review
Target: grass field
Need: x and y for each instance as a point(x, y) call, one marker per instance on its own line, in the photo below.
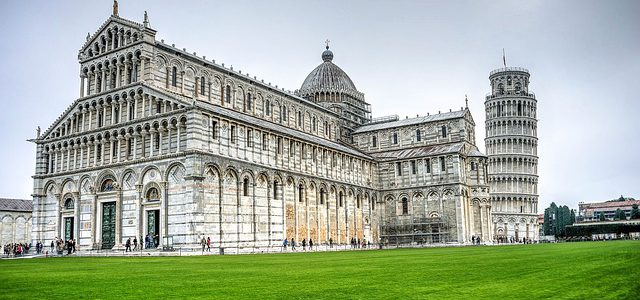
point(590, 270)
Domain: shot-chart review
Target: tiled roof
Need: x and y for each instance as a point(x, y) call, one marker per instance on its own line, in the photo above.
point(610, 204)
point(411, 121)
point(419, 151)
point(291, 132)
point(15, 205)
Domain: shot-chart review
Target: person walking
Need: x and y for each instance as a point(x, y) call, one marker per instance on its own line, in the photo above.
point(330, 243)
point(135, 243)
point(284, 244)
point(293, 244)
point(52, 245)
point(208, 244)
point(203, 242)
point(127, 245)
point(310, 245)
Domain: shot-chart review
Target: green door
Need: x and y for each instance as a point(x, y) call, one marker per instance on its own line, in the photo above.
point(108, 225)
point(153, 226)
point(68, 229)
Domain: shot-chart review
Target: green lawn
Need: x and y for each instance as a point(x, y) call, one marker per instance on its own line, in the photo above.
point(590, 270)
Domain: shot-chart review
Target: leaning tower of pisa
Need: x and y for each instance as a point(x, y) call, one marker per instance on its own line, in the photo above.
point(511, 145)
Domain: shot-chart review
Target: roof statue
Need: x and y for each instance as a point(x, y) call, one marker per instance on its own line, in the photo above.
point(115, 7)
point(146, 19)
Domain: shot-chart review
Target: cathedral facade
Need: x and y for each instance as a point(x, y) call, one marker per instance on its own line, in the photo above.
point(166, 144)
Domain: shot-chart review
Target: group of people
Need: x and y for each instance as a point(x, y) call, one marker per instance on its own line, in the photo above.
point(150, 241)
point(355, 243)
point(16, 249)
point(60, 246)
point(512, 240)
point(293, 244)
point(476, 240)
point(206, 243)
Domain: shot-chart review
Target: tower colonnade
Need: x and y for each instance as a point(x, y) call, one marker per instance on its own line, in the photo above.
point(511, 143)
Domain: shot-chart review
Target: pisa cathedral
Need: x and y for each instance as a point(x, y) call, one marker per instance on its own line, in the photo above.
point(165, 143)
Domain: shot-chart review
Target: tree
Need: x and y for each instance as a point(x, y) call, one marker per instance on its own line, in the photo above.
point(635, 212)
point(620, 215)
point(601, 217)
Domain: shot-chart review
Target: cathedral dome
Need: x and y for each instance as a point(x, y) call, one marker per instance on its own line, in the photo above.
point(327, 77)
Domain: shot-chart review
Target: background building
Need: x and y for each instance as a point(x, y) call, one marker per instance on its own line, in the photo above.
point(15, 217)
point(590, 212)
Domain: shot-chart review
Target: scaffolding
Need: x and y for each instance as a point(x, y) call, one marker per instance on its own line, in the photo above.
point(416, 231)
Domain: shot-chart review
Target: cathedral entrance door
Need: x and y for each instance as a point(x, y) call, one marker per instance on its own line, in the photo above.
point(108, 225)
point(68, 228)
point(153, 226)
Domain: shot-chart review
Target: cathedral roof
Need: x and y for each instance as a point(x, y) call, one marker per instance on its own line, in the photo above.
point(288, 131)
point(327, 77)
point(15, 205)
point(412, 121)
point(419, 151)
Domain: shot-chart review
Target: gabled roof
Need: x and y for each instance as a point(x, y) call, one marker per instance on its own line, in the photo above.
point(414, 121)
point(112, 19)
point(16, 205)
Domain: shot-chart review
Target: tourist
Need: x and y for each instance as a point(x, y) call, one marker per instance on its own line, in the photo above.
point(208, 244)
point(52, 245)
point(284, 244)
point(330, 243)
point(293, 244)
point(304, 244)
point(135, 243)
point(310, 245)
point(147, 241)
point(127, 245)
point(203, 242)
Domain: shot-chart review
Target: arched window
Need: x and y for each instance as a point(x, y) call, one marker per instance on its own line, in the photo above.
point(174, 76)
point(107, 186)
point(299, 118)
point(374, 141)
point(227, 94)
point(275, 190)
point(373, 204)
point(313, 124)
point(340, 197)
point(248, 104)
point(132, 110)
point(501, 88)
point(518, 87)
point(202, 91)
point(519, 109)
point(444, 131)
point(405, 206)
point(153, 194)
point(68, 204)
point(358, 202)
point(267, 108)
point(508, 80)
point(322, 195)
point(395, 138)
point(418, 136)
point(245, 187)
point(300, 193)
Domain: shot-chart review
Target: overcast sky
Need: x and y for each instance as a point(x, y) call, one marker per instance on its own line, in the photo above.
point(408, 57)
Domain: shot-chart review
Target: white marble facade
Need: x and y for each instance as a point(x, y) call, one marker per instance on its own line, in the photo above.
point(162, 141)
